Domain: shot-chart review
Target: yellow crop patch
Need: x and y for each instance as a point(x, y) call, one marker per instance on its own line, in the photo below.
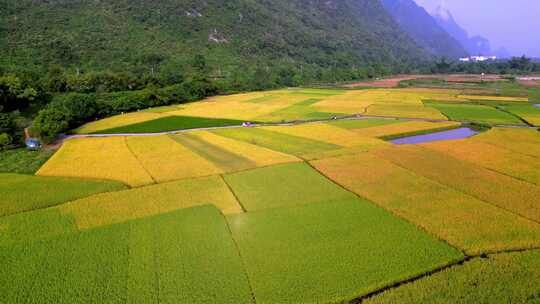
point(523, 141)
point(166, 160)
point(118, 121)
point(117, 207)
point(403, 128)
point(99, 158)
point(490, 156)
point(493, 98)
point(462, 220)
point(405, 111)
point(352, 102)
point(501, 190)
point(323, 132)
point(258, 155)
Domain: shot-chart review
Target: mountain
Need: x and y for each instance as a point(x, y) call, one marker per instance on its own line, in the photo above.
point(167, 34)
point(421, 26)
point(476, 45)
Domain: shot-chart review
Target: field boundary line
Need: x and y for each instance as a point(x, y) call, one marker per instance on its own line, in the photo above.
point(139, 161)
point(471, 195)
point(233, 193)
point(467, 259)
point(245, 271)
point(422, 229)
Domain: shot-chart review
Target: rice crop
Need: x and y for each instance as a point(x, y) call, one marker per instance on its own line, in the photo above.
point(522, 141)
point(172, 123)
point(493, 98)
point(99, 158)
point(166, 160)
point(217, 147)
point(222, 158)
point(521, 166)
point(117, 121)
point(331, 252)
point(407, 127)
point(501, 278)
point(186, 256)
point(501, 190)
point(462, 220)
point(404, 111)
point(476, 113)
point(322, 132)
point(363, 123)
point(302, 110)
point(528, 112)
point(117, 207)
point(21, 193)
point(283, 186)
point(276, 141)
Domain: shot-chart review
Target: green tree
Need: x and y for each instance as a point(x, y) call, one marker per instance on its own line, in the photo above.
point(50, 123)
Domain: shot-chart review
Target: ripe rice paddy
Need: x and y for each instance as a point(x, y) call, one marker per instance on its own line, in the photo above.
point(462, 220)
point(500, 190)
point(98, 158)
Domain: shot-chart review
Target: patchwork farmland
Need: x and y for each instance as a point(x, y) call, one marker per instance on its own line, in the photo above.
point(311, 202)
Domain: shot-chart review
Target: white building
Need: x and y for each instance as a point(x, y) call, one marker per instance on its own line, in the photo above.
point(477, 58)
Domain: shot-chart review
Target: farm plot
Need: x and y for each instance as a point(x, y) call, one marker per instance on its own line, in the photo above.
point(117, 122)
point(322, 132)
point(301, 111)
point(283, 186)
point(528, 112)
point(363, 123)
point(476, 113)
point(222, 151)
point(331, 252)
point(182, 257)
point(465, 222)
point(492, 187)
point(172, 123)
point(494, 98)
point(166, 160)
point(117, 207)
point(99, 158)
point(521, 166)
point(500, 278)
point(404, 111)
point(520, 141)
point(277, 141)
point(21, 193)
point(406, 128)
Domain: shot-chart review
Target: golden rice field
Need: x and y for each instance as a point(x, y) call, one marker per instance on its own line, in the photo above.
point(464, 221)
point(318, 210)
point(99, 158)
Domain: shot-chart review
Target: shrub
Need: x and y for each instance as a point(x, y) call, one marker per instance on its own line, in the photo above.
point(51, 122)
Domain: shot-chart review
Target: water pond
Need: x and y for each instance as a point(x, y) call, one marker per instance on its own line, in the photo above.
point(437, 136)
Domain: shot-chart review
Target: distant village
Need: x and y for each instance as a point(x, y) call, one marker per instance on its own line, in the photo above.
point(477, 58)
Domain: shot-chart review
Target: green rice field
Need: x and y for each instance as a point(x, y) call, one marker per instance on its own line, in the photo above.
point(316, 205)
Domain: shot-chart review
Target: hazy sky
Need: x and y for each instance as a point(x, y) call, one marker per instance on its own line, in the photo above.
point(514, 24)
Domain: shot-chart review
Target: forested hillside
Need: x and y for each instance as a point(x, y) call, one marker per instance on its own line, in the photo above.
point(163, 36)
point(423, 28)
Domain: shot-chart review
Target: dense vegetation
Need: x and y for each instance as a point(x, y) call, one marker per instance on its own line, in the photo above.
point(423, 28)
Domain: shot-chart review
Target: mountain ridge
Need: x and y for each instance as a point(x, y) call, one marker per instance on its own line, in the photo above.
point(424, 29)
